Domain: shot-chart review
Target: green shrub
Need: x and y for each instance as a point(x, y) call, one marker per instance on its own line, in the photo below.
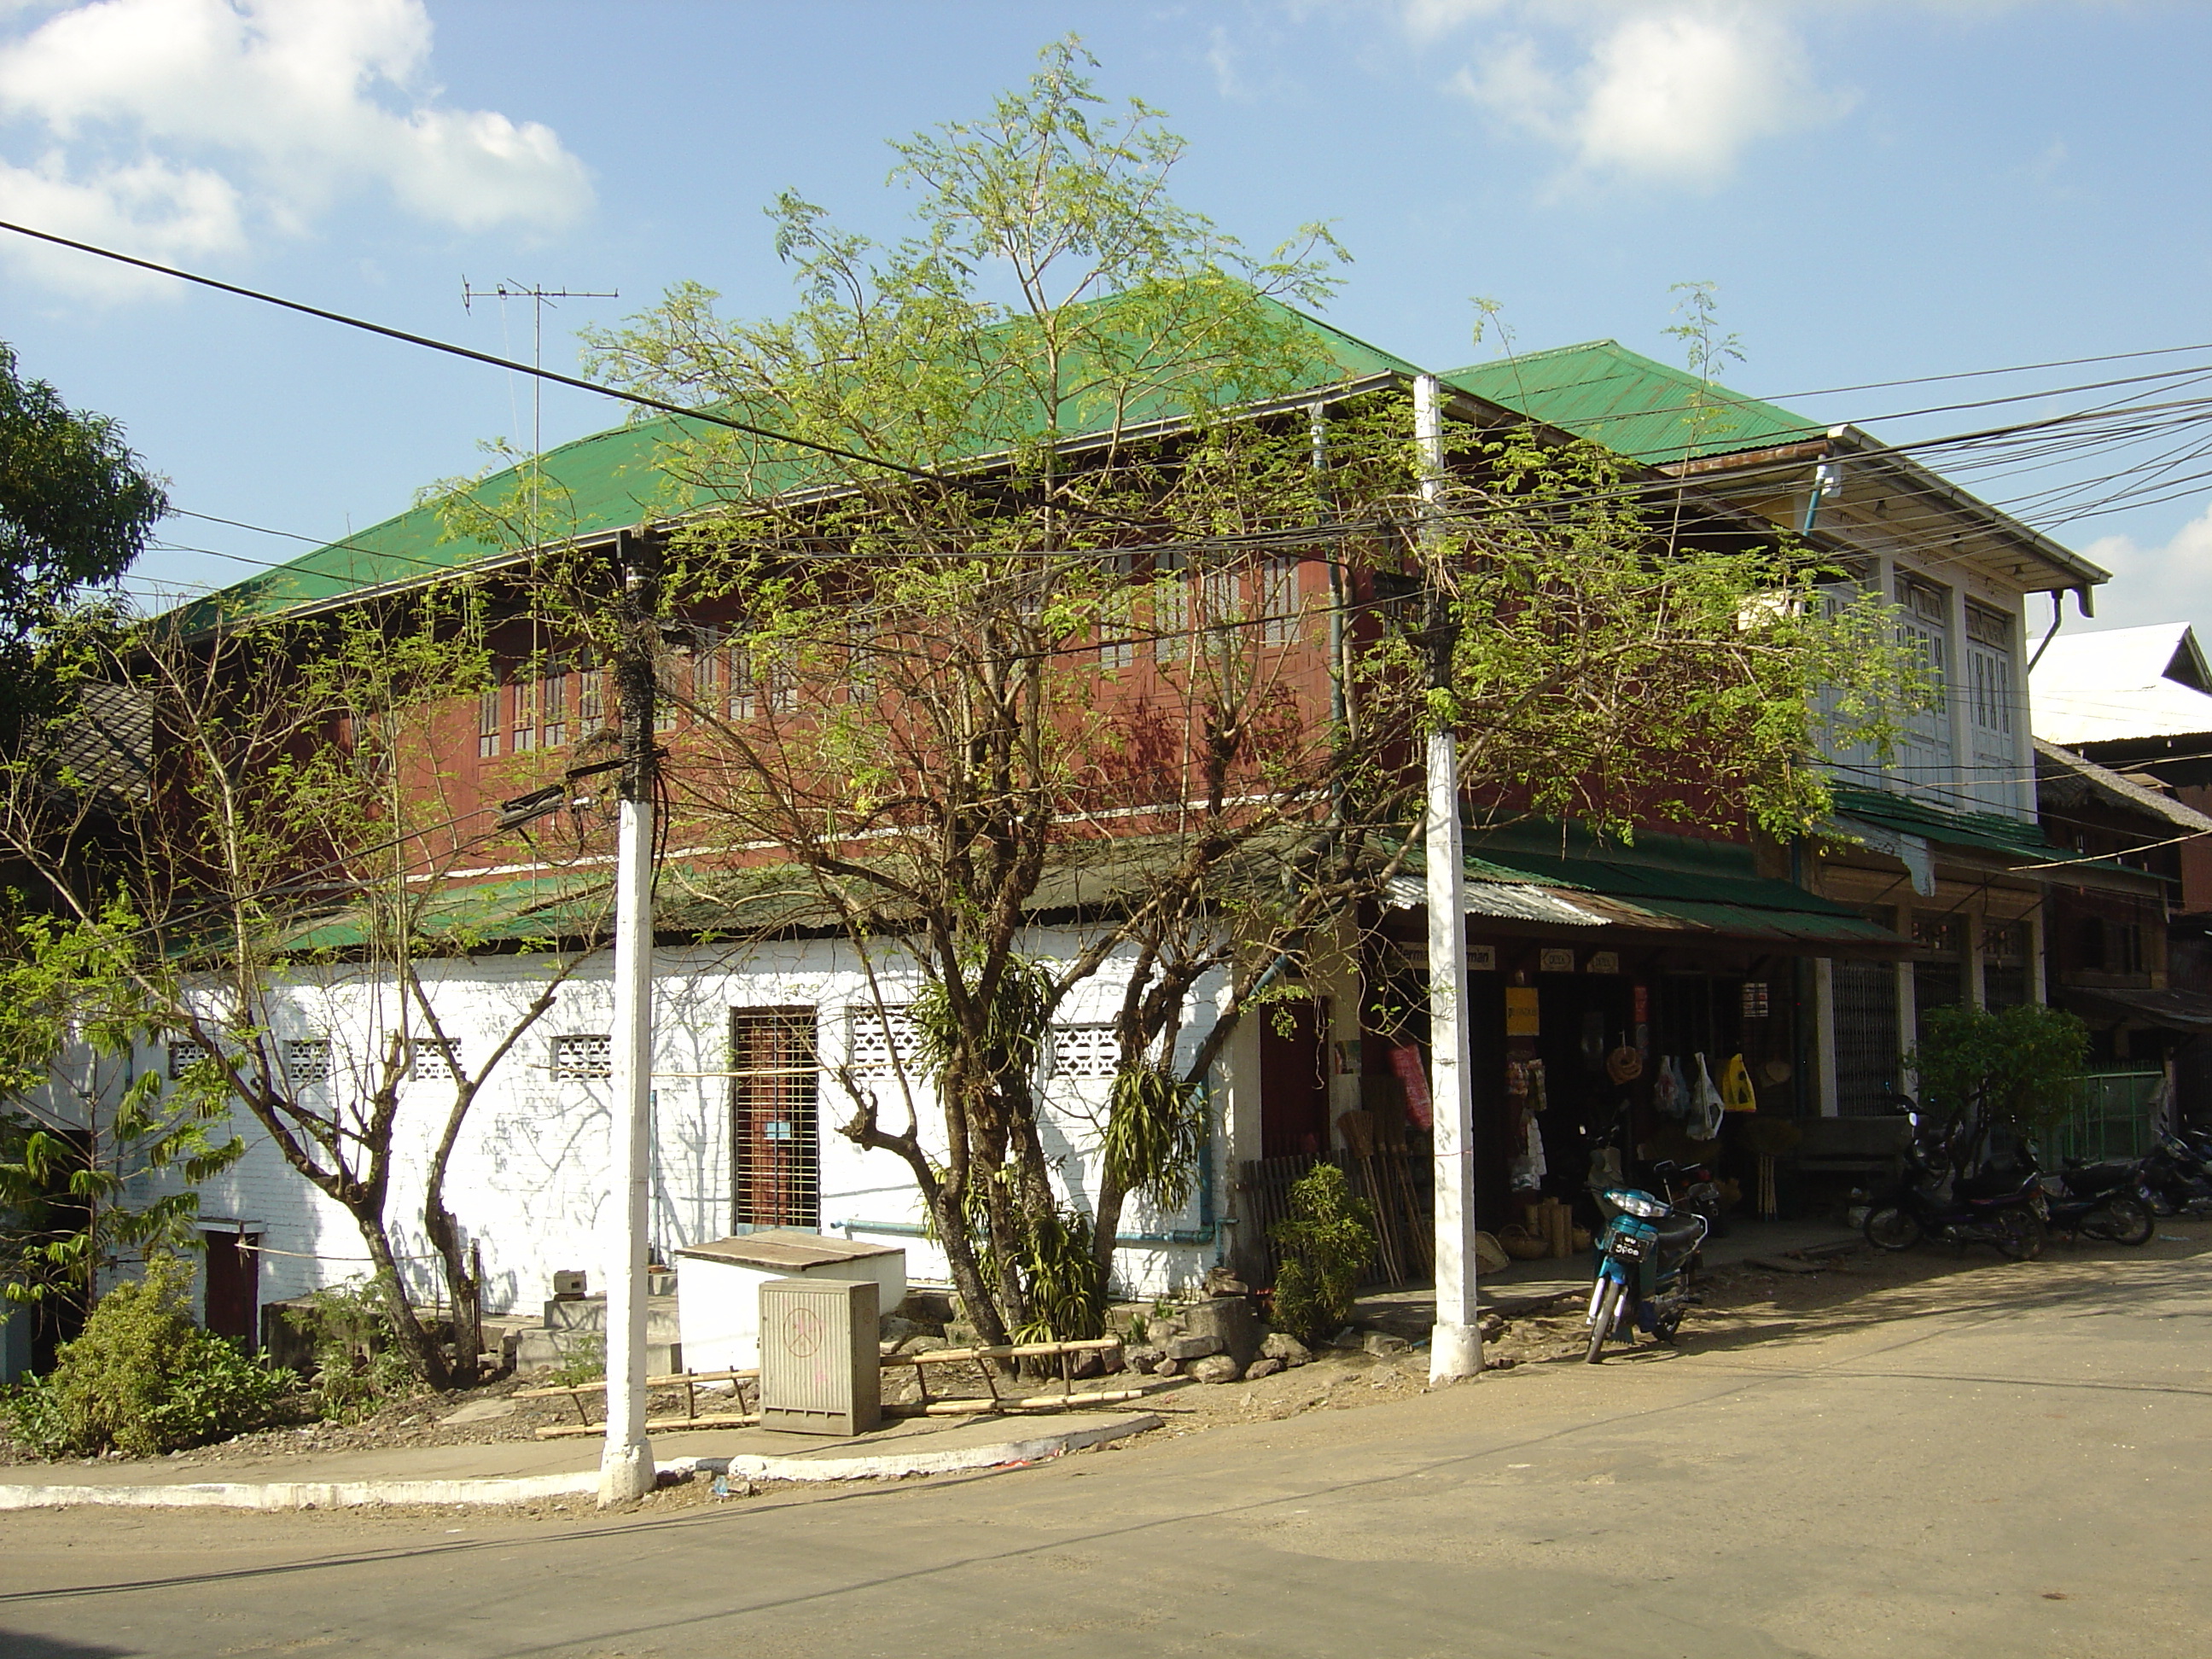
point(33, 1418)
point(1327, 1239)
point(358, 1368)
point(143, 1379)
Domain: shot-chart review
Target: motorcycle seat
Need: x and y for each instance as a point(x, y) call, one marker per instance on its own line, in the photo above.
point(1678, 1232)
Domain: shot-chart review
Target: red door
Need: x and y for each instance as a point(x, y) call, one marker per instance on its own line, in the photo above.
point(1294, 1080)
point(232, 1305)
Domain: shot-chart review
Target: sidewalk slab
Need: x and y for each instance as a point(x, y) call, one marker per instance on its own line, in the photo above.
point(523, 1472)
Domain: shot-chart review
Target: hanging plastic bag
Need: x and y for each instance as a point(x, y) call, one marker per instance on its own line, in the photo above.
point(1736, 1092)
point(1669, 1094)
point(1705, 1105)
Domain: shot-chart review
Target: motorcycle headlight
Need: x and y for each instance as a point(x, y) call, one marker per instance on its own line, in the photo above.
point(1643, 1206)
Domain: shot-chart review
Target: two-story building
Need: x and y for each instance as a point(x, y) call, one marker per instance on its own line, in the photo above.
point(1810, 960)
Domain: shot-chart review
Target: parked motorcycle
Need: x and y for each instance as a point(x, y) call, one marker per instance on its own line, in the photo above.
point(2004, 1208)
point(1692, 1187)
point(1647, 1258)
point(2100, 1200)
point(2177, 1178)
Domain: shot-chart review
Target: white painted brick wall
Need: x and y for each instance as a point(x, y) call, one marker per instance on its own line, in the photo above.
point(527, 1178)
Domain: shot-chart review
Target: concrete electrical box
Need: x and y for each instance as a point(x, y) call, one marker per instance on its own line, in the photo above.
point(821, 1372)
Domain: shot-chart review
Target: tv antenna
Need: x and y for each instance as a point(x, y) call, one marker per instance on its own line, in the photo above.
point(539, 298)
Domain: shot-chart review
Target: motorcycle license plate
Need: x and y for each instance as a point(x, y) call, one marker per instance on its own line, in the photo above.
point(1627, 1249)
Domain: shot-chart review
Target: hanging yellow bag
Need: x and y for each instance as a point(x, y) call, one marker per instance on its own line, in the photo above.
point(1736, 1093)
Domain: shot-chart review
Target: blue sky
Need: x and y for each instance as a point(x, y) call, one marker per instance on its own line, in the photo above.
point(1880, 191)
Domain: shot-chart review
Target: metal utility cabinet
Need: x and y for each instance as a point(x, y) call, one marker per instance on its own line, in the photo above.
point(718, 1287)
point(820, 1371)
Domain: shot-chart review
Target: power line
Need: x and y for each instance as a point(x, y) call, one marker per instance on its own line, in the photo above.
point(485, 357)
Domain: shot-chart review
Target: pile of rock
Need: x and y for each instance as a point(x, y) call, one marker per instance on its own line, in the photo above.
point(1219, 1339)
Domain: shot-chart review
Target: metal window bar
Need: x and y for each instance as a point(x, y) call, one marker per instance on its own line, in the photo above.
point(775, 1139)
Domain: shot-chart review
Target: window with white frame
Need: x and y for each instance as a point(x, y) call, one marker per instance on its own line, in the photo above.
point(184, 1055)
point(1277, 579)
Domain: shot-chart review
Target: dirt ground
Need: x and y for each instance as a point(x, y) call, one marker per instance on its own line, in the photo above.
point(1741, 1305)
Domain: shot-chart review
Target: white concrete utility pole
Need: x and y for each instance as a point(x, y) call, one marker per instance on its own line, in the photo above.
point(626, 1468)
point(1456, 1341)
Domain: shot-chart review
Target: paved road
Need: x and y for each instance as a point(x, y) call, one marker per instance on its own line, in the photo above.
point(2010, 1460)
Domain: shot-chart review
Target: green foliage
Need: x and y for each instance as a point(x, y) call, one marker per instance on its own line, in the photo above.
point(585, 1362)
point(1328, 1241)
point(992, 1024)
point(1155, 1134)
point(76, 509)
point(143, 1379)
point(1059, 1282)
point(2015, 1068)
point(359, 1370)
point(81, 1134)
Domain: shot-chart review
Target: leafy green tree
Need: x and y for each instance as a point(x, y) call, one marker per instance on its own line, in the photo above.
point(2015, 1068)
point(1055, 638)
point(76, 507)
point(302, 859)
point(97, 1165)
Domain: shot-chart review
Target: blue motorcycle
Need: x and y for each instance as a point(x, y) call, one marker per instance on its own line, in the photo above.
point(1646, 1257)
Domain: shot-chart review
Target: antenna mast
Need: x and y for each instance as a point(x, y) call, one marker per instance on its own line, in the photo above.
point(539, 298)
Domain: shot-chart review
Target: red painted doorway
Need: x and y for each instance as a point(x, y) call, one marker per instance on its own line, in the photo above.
point(1294, 1080)
point(232, 1307)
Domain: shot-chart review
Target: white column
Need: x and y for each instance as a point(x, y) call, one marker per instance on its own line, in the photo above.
point(626, 1469)
point(1455, 1339)
point(1456, 1343)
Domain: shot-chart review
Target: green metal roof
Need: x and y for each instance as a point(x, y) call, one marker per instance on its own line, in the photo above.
point(612, 480)
point(1671, 884)
point(1634, 406)
point(1991, 832)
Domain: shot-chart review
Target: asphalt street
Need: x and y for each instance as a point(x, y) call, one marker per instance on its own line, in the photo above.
point(2004, 1460)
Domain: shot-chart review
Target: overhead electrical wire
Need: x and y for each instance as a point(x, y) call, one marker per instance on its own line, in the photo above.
point(638, 399)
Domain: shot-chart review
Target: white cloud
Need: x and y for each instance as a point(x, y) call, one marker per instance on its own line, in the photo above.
point(1673, 93)
point(181, 128)
point(2168, 582)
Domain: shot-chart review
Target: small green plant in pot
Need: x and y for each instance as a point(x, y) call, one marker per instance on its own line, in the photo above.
point(1327, 1242)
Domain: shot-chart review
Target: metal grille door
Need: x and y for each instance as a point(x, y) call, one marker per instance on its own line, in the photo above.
point(776, 1177)
point(1866, 1047)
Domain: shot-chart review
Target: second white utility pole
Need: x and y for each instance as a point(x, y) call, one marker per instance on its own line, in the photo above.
point(626, 1467)
point(1456, 1341)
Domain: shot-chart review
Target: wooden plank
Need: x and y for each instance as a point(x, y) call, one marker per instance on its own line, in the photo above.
point(669, 1424)
point(676, 1381)
point(1037, 1402)
point(1010, 1351)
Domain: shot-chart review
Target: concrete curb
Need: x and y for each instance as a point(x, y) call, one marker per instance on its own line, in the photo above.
point(895, 1464)
point(300, 1494)
point(349, 1494)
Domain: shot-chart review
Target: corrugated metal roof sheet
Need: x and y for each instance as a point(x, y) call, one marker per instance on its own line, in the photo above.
point(1631, 404)
point(1702, 891)
point(2123, 682)
point(1990, 831)
point(612, 480)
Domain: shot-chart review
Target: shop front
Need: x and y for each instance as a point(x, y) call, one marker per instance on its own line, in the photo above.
point(1630, 1008)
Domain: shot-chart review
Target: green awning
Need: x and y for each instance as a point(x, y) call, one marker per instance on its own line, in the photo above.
point(1678, 889)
